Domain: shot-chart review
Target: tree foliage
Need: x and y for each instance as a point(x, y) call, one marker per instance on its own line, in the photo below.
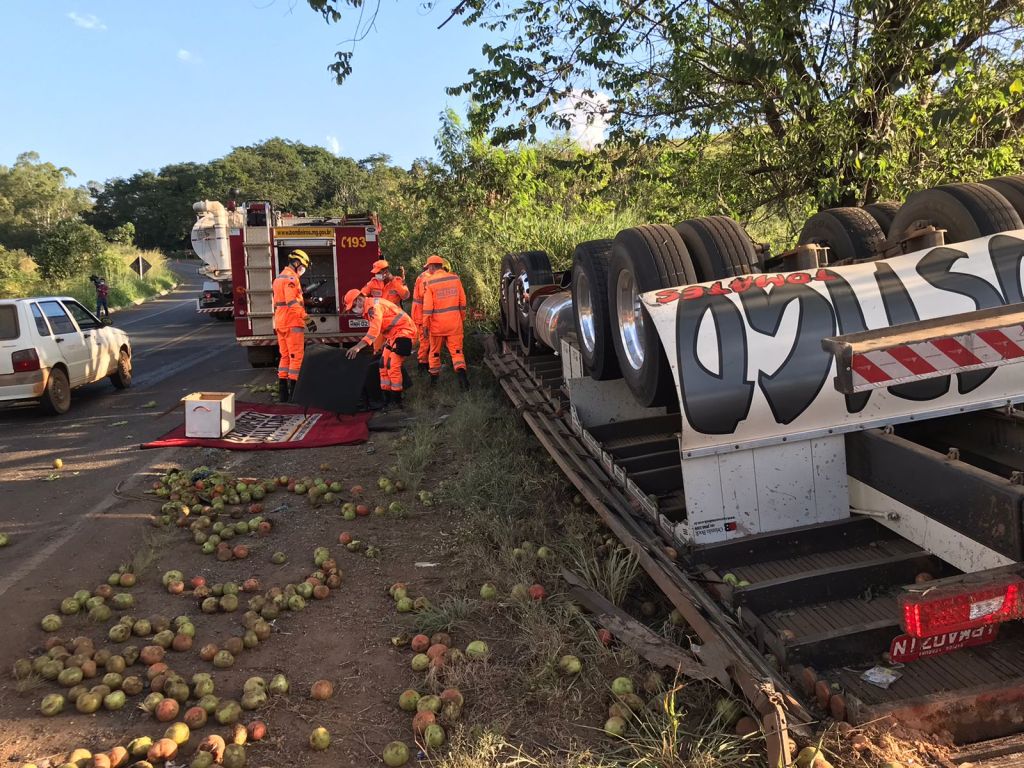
point(67, 249)
point(803, 103)
point(34, 197)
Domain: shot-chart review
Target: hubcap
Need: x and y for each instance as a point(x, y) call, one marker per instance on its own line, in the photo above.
point(631, 319)
point(585, 311)
point(60, 390)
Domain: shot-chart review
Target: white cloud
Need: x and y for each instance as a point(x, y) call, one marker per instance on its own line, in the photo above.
point(587, 116)
point(333, 144)
point(188, 57)
point(87, 21)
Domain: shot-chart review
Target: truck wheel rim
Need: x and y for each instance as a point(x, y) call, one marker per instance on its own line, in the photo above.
point(631, 319)
point(585, 311)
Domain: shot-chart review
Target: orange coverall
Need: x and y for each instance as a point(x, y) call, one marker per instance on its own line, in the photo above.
point(393, 290)
point(289, 323)
point(388, 324)
point(444, 310)
point(423, 351)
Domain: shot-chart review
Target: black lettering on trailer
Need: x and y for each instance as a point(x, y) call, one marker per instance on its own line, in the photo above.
point(794, 386)
point(936, 267)
point(714, 403)
point(850, 318)
point(899, 308)
point(1007, 253)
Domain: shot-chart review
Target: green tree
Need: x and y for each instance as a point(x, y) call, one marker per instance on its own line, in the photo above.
point(123, 234)
point(34, 198)
point(814, 103)
point(68, 249)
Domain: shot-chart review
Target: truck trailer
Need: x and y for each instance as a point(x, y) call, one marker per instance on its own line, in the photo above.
point(254, 241)
point(816, 456)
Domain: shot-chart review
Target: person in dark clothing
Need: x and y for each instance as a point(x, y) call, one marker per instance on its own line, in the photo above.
point(102, 289)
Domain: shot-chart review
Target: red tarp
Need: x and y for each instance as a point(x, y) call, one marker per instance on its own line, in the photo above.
point(268, 427)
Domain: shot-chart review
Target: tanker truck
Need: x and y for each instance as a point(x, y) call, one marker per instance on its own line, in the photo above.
point(211, 243)
point(817, 456)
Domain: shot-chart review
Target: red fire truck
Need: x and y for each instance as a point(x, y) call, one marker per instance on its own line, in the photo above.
point(341, 251)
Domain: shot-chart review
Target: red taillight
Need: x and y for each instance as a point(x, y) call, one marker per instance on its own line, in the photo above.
point(950, 609)
point(207, 295)
point(25, 360)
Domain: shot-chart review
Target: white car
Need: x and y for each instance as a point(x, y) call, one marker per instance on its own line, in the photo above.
point(50, 345)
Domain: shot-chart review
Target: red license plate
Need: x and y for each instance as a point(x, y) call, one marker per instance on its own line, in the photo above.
point(907, 648)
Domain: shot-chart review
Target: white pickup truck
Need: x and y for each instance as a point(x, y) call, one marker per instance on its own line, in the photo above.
point(51, 344)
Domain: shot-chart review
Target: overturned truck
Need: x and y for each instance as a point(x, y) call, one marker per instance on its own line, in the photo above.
point(815, 455)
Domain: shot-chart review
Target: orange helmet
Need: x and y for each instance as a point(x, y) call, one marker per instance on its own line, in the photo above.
point(350, 298)
point(435, 259)
point(378, 266)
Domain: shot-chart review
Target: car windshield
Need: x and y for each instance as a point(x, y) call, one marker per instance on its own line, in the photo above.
point(8, 322)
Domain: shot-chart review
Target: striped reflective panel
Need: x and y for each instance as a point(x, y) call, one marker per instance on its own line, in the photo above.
point(976, 350)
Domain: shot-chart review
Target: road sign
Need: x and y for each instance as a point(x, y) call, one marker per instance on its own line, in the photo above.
point(141, 266)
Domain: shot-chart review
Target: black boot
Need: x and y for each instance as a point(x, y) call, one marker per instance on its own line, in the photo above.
point(282, 390)
point(291, 389)
point(386, 394)
point(433, 379)
point(463, 379)
point(396, 401)
point(423, 367)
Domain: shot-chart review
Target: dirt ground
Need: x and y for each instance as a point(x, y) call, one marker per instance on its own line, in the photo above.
point(497, 499)
point(346, 638)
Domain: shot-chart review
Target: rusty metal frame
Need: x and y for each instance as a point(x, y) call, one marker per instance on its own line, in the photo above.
point(727, 655)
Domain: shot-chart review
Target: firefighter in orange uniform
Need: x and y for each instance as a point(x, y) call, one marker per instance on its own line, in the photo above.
point(384, 285)
point(290, 322)
point(444, 311)
point(389, 328)
point(423, 350)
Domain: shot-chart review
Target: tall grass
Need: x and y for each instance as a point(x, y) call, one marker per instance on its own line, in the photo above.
point(115, 265)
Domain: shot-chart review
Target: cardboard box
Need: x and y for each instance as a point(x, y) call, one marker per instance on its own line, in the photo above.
point(209, 414)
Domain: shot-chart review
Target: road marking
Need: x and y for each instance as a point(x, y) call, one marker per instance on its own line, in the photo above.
point(177, 366)
point(146, 352)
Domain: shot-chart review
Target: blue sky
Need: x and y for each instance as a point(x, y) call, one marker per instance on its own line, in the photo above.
point(108, 88)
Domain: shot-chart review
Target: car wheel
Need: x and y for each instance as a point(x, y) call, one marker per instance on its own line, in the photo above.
point(57, 395)
point(122, 377)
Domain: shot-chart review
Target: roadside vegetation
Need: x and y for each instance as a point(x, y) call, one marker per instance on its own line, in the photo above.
point(46, 246)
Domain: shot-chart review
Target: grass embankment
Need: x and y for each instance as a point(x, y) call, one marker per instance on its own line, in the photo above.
point(512, 501)
point(115, 265)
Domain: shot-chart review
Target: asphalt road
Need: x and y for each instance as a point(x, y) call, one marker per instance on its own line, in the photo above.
point(48, 513)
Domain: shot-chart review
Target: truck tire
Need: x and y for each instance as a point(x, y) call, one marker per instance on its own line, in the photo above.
point(851, 234)
point(590, 312)
point(883, 212)
point(507, 328)
point(56, 398)
point(532, 269)
point(224, 317)
point(965, 211)
point(121, 378)
point(1012, 188)
point(262, 357)
point(644, 259)
point(719, 248)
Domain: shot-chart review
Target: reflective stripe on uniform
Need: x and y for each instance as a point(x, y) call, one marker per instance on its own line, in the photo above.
point(446, 309)
point(445, 279)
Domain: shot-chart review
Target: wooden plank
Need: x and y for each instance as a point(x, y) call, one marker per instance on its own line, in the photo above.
point(805, 540)
point(837, 582)
point(628, 630)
